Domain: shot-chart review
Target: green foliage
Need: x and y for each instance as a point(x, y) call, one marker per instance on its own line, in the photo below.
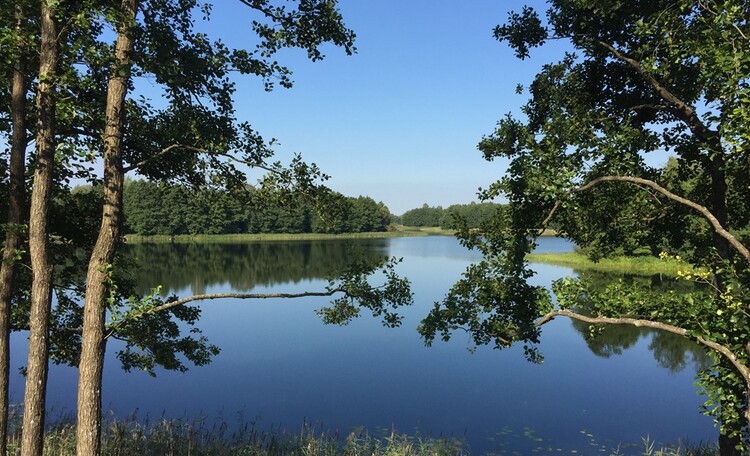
point(470, 216)
point(359, 294)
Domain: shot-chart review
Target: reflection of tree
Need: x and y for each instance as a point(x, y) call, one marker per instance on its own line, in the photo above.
point(670, 351)
point(674, 352)
point(245, 266)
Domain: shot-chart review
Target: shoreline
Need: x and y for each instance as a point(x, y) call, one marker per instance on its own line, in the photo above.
point(256, 237)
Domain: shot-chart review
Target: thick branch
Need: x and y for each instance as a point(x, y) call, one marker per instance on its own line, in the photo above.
point(718, 228)
point(206, 297)
point(684, 112)
point(548, 219)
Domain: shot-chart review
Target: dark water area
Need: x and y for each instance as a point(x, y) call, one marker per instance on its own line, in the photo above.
point(281, 367)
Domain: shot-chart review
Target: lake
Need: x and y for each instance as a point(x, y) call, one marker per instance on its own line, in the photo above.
point(281, 367)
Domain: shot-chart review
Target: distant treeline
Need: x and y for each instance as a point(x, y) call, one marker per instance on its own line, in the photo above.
point(152, 209)
point(474, 215)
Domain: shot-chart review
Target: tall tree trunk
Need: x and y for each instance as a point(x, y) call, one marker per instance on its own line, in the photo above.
point(41, 262)
point(97, 278)
point(719, 200)
point(728, 446)
point(18, 146)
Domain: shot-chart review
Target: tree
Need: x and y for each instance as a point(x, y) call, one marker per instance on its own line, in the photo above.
point(16, 203)
point(41, 260)
point(469, 215)
point(195, 138)
point(422, 216)
point(648, 77)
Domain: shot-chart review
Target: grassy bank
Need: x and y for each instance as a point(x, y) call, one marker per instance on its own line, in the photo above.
point(399, 231)
point(641, 265)
point(182, 437)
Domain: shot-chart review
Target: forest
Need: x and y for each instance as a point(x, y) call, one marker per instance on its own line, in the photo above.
point(151, 209)
point(473, 215)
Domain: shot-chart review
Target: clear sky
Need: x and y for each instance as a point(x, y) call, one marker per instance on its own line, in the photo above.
point(400, 120)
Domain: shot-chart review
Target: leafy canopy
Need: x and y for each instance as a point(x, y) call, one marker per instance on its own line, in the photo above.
point(646, 78)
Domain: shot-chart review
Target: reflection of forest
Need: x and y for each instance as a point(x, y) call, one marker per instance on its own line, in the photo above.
point(245, 266)
point(670, 351)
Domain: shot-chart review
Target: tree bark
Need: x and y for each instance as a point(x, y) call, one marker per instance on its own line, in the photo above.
point(18, 146)
point(41, 263)
point(98, 286)
point(719, 197)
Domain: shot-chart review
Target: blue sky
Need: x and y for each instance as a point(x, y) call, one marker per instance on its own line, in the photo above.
point(400, 120)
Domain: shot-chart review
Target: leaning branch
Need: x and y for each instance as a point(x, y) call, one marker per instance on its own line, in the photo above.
point(721, 349)
point(684, 111)
point(548, 219)
point(198, 150)
point(207, 297)
point(718, 228)
point(161, 153)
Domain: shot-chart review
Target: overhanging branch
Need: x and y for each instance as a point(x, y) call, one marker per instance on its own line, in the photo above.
point(721, 349)
point(718, 228)
point(198, 150)
point(211, 296)
point(161, 153)
point(206, 297)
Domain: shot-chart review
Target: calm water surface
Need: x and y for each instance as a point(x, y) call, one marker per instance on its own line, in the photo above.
point(280, 366)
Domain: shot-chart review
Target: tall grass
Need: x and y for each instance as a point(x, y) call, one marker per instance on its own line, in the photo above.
point(179, 437)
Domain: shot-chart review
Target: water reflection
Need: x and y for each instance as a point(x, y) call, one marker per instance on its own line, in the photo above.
point(280, 366)
point(670, 351)
point(245, 266)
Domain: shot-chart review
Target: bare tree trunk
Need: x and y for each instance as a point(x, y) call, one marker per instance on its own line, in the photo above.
point(41, 262)
point(15, 218)
point(97, 279)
